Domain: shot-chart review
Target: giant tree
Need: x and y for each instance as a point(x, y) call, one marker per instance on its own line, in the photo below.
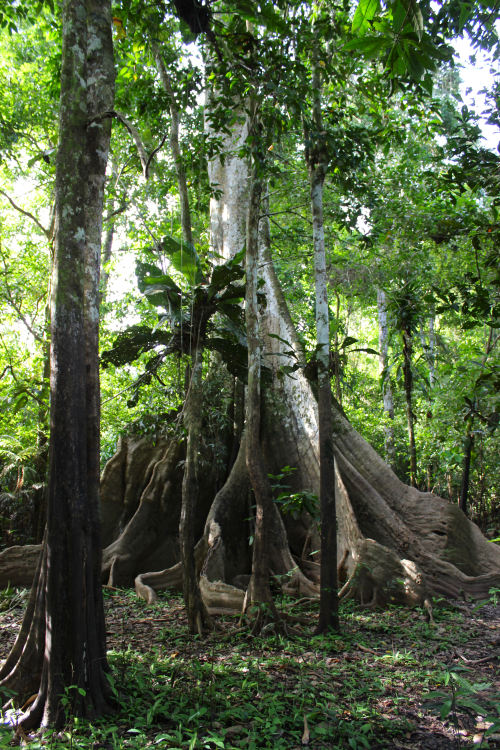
point(394, 542)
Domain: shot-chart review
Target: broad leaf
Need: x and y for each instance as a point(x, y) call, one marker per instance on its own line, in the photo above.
point(364, 14)
point(184, 259)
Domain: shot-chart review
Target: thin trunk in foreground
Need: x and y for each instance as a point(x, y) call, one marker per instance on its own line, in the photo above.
point(317, 162)
point(259, 591)
point(198, 618)
point(407, 338)
point(383, 345)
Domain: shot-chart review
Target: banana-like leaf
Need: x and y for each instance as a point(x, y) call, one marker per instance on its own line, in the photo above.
point(184, 259)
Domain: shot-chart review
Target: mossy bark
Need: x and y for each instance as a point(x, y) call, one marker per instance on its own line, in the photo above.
point(61, 646)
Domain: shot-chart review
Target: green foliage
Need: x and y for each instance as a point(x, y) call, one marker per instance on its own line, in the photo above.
point(173, 690)
point(462, 695)
point(410, 198)
point(293, 503)
point(187, 314)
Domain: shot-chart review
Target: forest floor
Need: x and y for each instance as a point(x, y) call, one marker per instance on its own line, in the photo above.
point(388, 680)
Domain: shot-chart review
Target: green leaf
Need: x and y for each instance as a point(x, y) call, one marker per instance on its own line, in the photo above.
point(445, 709)
point(159, 288)
point(348, 341)
point(369, 46)
point(364, 14)
point(224, 275)
point(184, 259)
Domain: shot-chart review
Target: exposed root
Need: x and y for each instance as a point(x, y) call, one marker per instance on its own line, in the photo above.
point(220, 597)
point(147, 584)
point(18, 565)
point(380, 577)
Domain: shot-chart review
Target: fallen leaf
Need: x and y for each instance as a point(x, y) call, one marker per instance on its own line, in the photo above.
point(236, 729)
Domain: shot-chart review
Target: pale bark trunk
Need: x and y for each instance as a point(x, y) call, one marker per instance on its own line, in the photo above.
point(230, 182)
point(408, 388)
point(464, 485)
point(383, 342)
point(317, 160)
point(429, 348)
point(175, 146)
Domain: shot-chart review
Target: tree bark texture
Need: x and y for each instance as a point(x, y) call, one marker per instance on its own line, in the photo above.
point(66, 611)
point(259, 593)
point(198, 618)
point(317, 162)
point(383, 344)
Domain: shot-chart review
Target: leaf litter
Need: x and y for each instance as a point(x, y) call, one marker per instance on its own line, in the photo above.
point(388, 680)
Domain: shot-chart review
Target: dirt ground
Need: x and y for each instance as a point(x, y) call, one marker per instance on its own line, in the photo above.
point(367, 639)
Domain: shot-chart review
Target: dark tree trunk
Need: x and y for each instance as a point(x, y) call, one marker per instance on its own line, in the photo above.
point(317, 161)
point(259, 593)
point(198, 618)
point(66, 610)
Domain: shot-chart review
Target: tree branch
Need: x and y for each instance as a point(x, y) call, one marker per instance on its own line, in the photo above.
point(144, 158)
point(26, 213)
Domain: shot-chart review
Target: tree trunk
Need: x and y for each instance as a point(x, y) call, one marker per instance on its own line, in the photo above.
point(65, 611)
point(259, 592)
point(464, 486)
point(408, 386)
point(429, 348)
point(383, 343)
point(317, 162)
point(198, 618)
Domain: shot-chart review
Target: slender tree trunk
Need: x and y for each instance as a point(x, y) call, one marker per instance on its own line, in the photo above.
point(259, 589)
point(383, 343)
point(408, 386)
point(198, 618)
point(317, 162)
point(429, 348)
point(175, 146)
point(336, 357)
point(66, 611)
point(464, 486)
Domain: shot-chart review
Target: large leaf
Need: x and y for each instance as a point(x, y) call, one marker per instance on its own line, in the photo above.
point(364, 14)
point(407, 11)
point(131, 343)
point(233, 353)
point(184, 259)
point(160, 288)
point(369, 46)
point(224, 275)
